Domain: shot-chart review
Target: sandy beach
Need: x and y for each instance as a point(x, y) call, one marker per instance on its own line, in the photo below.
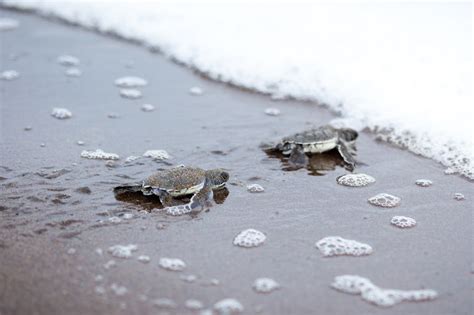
point(55, 206)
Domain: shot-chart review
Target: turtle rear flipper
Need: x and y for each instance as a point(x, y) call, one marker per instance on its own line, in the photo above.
point(346, 156)
point(133, 188)
point(202, 200)
point(298, 157)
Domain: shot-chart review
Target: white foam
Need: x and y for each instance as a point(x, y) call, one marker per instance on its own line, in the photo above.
point(144, 259)
point(228, 307)
point(130, 93)
point(195, 90)
point(80, 142)
point(9, 75)
point(336, 245)
point(131, 158)
point(99, 155)
point(424, 182)
point(114, 220)
point(354, 284)
point(265, 285)
point(193, 304)
point(122, 251)
point(68, 60)
point(385, 200)
point(188, 278)
point(255, 188)
point(8, 24)
point(459, 196)
point(355, 180)
point(61, 113)
point(119, 290)
point(130, 82)
point(249, 238)
point(128, 216)
point(272, 111)
point(173, 264)
point(110, 264)
point(403, 222)
point(148, 108)
point(71, 251)
point(73, 72)
point(157, 154)
point(164, 303)
point(100, 290)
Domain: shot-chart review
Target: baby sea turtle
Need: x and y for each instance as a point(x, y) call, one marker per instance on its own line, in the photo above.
point(181, 181)
point(319, 140)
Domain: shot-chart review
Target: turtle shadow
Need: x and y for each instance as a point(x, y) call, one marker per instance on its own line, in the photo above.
point(319, 164)
point(149, 203)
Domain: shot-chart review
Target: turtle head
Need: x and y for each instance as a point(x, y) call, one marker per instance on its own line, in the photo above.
point(217, 178)
point(348, 135)
point(147, 190)
point(285, 147)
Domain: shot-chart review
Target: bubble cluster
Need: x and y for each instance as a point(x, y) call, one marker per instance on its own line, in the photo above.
point(385, 200)
point(130, 82)
point(249, 238)
point(228, 307)
point(73, 72)
point(354, 284)
point(68, 60)
point(99, 155)
point(355, 180)
point(157, 154)
point(403, 222)
point(9, 75)
point(265, 285)
point(255, 188)
point(119, 290)
point(8, 24)
point(164, 303)
point(130, 93)
point(122, 251)
point(61, 113)
point(195, 90)
point(336, 246)
point(272, 111)
point(148, 108)
point(131, 158)
point(193, 304)
point(459, 196)
point(423, 182)
point(144, 259)
point(173, 264)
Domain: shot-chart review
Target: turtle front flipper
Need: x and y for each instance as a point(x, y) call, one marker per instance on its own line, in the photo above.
point(134, 188)
point(346, 156)
point(298, 157)
point(202, 200)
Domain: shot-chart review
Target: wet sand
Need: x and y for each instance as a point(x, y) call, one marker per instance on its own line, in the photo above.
point(43, 214)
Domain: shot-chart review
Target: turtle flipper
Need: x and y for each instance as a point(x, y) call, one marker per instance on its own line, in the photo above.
point(346, 156)
point(298, 157)
point(202, 200)
point(165, 198)
point(127, 189)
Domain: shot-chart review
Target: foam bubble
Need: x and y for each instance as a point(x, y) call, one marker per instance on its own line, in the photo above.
point(173, 264)
point(193, 304)
point(336, 245)
point(164, 303)
point(272, 111)
point(9, 75)
point(355, 180)
point(195, 90)
point(403, 222)
point(144, 259)
point(122, 251)
point(148, 108)
point(255, 188)
point(423, 182)
point(228, 307)
point(459, 196)
point(130, 81)
point(79, 142)
point(131, 158)
point(130, 93)
point(119, 290)
point(249, 238)
point(354, 284)
point(71, 251)
point(99, 155)
point(157, 154)
point(188, 278)
point(61, 113)
point(114, 220)
point(265, 285)
point(128, 216)
point(110, 264)
point(73, 72)
point(8, 24)
point(385, 200)
point(68, 60)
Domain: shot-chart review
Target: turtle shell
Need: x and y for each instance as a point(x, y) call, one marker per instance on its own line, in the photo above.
point(178, 181)
point(324, 134)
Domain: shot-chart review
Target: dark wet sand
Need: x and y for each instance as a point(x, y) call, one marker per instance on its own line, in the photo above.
point(41, 218)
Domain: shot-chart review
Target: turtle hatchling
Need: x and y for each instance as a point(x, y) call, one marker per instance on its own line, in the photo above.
point(319, 140)
point(181, 181)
